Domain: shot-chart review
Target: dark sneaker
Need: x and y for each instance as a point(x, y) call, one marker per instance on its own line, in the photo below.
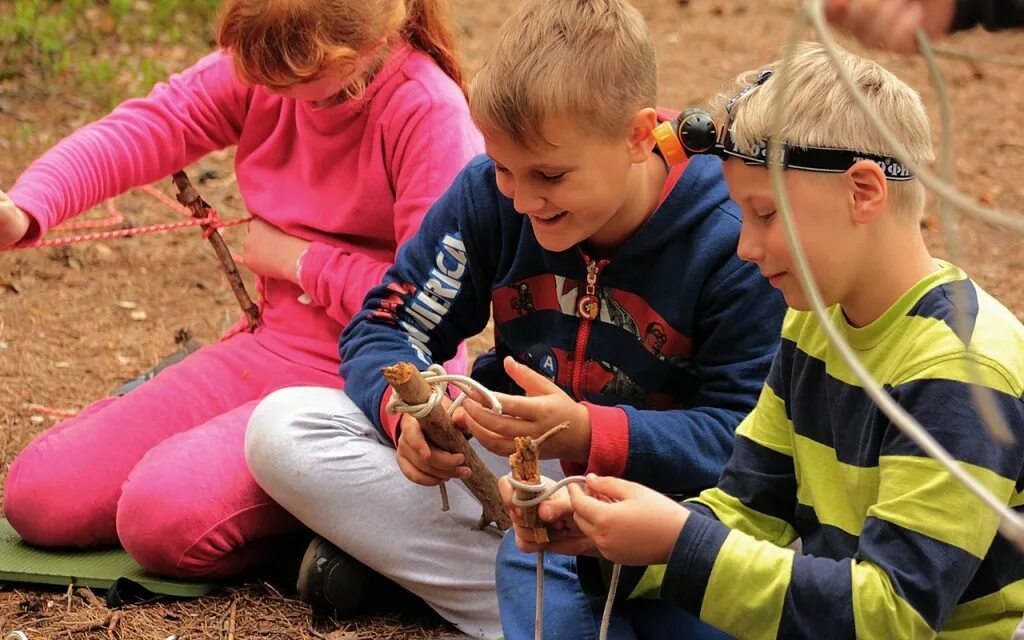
point(330, 580)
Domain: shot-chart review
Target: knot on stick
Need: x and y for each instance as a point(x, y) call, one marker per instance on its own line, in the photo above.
point(439, 379)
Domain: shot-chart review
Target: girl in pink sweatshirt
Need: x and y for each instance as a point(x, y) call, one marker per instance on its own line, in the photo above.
point(350, 119)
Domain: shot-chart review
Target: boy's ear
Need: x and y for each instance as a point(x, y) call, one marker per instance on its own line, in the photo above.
point(641, 134)
point(868, 189)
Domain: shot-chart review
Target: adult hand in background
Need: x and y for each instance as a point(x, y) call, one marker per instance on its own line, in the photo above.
point(891, 24)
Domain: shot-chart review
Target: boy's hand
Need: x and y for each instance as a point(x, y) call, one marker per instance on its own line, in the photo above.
point(14, 222)
point(270, 252)
point(544, 406)
point(556, 511)
point(891, 24)
point(629, 523)
point(423, 463)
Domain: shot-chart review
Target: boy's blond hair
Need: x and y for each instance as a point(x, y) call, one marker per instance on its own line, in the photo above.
point(588, 60)
point(820, 113)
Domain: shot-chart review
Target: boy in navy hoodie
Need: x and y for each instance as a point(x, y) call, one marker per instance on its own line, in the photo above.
point(619, 306)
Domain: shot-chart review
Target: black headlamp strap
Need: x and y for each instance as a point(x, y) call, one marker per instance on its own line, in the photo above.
point(694, 129)
point(818, 159)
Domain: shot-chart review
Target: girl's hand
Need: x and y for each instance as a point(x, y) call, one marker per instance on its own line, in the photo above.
point(891, 24)
point(544, 406)
point(14, 222)
point(628, 523)
point(272, 253)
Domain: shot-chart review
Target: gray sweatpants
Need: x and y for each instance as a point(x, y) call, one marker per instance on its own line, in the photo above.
point(316, 454)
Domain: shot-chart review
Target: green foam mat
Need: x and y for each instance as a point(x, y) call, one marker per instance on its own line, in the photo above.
point(97, 569)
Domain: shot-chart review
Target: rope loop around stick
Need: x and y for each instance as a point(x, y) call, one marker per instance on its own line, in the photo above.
point(439, 379)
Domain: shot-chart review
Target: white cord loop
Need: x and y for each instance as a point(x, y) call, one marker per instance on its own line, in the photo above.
point(544, 490)
point(439, 379)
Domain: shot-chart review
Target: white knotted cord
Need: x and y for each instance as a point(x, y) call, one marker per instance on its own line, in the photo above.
point(439, 379)
point(544, 490)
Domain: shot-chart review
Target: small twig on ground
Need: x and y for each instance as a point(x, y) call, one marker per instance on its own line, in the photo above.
point(115, 618)
point(91, 626)
point(231, 619)
point(85, 593)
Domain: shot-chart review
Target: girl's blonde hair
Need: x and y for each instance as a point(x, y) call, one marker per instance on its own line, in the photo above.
point(590, 60)
point(279, 43)
point(820, 113)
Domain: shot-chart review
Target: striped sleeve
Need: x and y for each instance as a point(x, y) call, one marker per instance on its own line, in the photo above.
point(757, 491)
point(921, 543)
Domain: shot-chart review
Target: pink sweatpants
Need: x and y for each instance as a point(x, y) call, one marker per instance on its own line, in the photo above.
point(162, 469)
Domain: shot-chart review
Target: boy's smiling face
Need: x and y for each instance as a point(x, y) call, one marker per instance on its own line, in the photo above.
point(574, 188)
point(820, 205)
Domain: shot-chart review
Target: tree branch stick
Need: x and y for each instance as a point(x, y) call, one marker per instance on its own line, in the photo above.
point(525, 464)
point(410, 386)
point(189, 197)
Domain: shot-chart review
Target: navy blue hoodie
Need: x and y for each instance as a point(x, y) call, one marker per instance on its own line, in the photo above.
point(675, 358)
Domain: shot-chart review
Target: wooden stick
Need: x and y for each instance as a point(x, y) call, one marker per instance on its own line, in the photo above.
point(231, 620)
point(525, 464)
point(188, 196)
point(410, 386)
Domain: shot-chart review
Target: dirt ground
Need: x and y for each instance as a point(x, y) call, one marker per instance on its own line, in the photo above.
point(76, 322)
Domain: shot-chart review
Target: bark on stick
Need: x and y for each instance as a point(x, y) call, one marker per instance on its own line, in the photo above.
point(525, 464)
point(190, 198)
point(411, 387)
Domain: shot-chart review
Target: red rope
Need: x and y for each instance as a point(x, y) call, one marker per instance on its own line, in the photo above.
point(115, 218)
point(213, 221)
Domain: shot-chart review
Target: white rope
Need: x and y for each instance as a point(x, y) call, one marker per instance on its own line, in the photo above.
point(984, 398)
point(544, 490)
point(439, 379)
point(1012, 526)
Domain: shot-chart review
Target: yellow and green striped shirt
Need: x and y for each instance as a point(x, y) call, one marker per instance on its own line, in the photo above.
point(892, 545)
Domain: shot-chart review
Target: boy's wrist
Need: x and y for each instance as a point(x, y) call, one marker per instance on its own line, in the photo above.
point(580, 447)
point(669, 531)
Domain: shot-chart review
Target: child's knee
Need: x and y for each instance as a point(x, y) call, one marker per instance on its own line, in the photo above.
point(159, 530)
point(49, 511)
point(289, 425)
point(267, 421)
